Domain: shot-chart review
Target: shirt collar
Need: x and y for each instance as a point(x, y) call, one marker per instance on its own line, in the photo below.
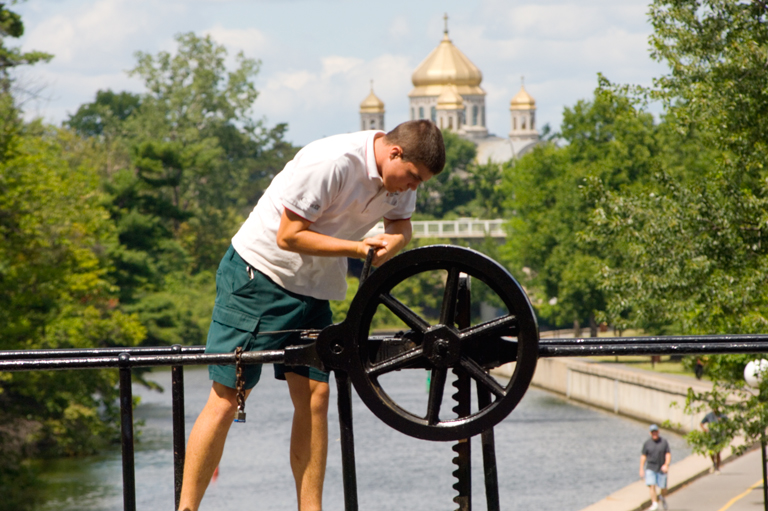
point(370, 158)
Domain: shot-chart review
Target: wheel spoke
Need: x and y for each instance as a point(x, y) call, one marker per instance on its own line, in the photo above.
point(436, 387)
point(394, 363)
point(494, 328)
point(483, 378)
point(448, 311)
point(410, 318)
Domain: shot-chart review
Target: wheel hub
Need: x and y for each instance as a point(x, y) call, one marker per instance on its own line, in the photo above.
point(442, 346)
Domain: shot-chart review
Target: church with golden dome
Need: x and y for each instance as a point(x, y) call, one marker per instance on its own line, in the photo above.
point(446, 89)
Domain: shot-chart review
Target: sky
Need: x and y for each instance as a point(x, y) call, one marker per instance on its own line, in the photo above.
point(318, 57)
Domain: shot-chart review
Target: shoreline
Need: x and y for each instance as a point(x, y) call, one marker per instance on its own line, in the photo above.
point(634, 393)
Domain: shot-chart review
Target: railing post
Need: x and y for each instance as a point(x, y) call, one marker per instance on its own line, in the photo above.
point(126, 430)
point(488, 441)
point(179, 437)
point(347, 437)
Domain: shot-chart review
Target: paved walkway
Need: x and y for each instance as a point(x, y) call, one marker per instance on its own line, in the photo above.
point(739, 486)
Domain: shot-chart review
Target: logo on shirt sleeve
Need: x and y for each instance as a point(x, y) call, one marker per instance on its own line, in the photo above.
point(307, 204)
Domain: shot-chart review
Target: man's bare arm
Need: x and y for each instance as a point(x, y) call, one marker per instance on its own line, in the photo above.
point(294, 235)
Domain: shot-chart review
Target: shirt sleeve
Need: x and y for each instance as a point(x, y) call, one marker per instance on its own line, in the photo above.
point(311, 189)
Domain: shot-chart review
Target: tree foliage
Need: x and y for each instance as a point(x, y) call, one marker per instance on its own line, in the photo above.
point(182, 164)
point(691, 244)
point(111, 229)
point(606, 139)
point(54, 293)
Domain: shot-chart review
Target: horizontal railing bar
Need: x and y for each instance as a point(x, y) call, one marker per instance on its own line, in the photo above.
point(251, 357)
point(617, 349)
point(669, 339)
point(94, 358)
point(654, 345)
point(95, 352)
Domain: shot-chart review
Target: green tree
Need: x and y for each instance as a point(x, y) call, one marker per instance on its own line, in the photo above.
point(182, 164)
point(448, 190)
point(691, 246)
point(54, 237)
point(485, 183)
point(12, 57)
point(608, 139)
point(692, 234)
point(52, 287)
point(109, 110)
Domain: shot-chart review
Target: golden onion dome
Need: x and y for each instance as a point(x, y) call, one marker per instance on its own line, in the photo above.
point(450, 99)
point(522, 100)
point(446, 65)
point(372, 104)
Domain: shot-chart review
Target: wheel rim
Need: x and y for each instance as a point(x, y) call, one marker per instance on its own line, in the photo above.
point(439, 345)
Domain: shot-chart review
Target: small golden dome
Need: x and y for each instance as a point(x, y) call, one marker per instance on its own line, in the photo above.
point(522, 100)
point(450, 99)
point(372, 104)
point(446, 65)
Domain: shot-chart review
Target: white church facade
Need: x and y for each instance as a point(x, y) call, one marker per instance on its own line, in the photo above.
point(446, 89)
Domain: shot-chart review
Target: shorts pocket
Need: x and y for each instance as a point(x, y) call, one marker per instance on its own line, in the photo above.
point(235, 318)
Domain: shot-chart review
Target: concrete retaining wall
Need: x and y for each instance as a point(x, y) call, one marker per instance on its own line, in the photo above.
point(620, 389)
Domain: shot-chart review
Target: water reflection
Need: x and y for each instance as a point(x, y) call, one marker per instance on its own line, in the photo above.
point(552, 455)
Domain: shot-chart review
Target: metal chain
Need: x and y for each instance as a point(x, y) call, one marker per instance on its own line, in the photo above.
point(239, 385)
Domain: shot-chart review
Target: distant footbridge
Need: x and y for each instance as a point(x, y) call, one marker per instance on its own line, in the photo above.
point(461, 228)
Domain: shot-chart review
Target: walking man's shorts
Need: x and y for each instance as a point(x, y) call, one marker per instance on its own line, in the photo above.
point(248, 302)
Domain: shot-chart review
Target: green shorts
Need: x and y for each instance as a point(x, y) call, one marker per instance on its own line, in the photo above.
point(244, 306)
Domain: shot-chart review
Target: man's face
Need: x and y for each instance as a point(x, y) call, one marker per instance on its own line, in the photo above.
point(399, 175)
point(655, 434)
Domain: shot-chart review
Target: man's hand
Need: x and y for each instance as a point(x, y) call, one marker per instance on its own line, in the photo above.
point(387, 245)
point(664, 468)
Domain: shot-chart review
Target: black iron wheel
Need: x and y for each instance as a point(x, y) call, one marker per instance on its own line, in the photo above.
point(438, 345)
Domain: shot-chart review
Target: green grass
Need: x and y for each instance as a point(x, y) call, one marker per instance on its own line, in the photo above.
point(644, 362)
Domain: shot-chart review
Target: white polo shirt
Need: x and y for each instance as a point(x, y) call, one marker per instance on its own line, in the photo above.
point(333, 183)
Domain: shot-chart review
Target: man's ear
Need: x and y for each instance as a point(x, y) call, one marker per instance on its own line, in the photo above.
point(395, 152)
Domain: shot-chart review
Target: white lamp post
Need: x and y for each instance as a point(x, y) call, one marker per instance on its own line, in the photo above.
point(755, 371)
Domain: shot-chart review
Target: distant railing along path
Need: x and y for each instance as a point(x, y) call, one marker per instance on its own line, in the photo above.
point(461, 228)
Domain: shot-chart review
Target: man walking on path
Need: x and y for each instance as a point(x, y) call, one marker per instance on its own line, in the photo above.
point(715, 440)
point(655, 458)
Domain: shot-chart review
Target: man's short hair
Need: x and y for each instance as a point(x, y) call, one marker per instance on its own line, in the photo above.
point(422, 144)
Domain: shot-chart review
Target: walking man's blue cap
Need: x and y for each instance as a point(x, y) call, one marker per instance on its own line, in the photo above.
point(653, 427)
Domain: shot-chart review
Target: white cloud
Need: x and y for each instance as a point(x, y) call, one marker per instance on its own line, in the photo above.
point(91, 35)
point(399, 28)
point(63, 92)
point(332, 96)
point(315, 79)
point(251, 41)
point(339, 65)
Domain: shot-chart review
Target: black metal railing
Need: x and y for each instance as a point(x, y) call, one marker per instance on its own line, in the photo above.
point(125, 359)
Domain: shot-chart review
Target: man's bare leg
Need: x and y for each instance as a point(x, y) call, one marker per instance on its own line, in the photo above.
point(652, 489)
point(206, 444)
point(309, 439)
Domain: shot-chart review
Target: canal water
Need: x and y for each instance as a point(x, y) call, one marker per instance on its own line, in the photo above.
point(552, 455)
